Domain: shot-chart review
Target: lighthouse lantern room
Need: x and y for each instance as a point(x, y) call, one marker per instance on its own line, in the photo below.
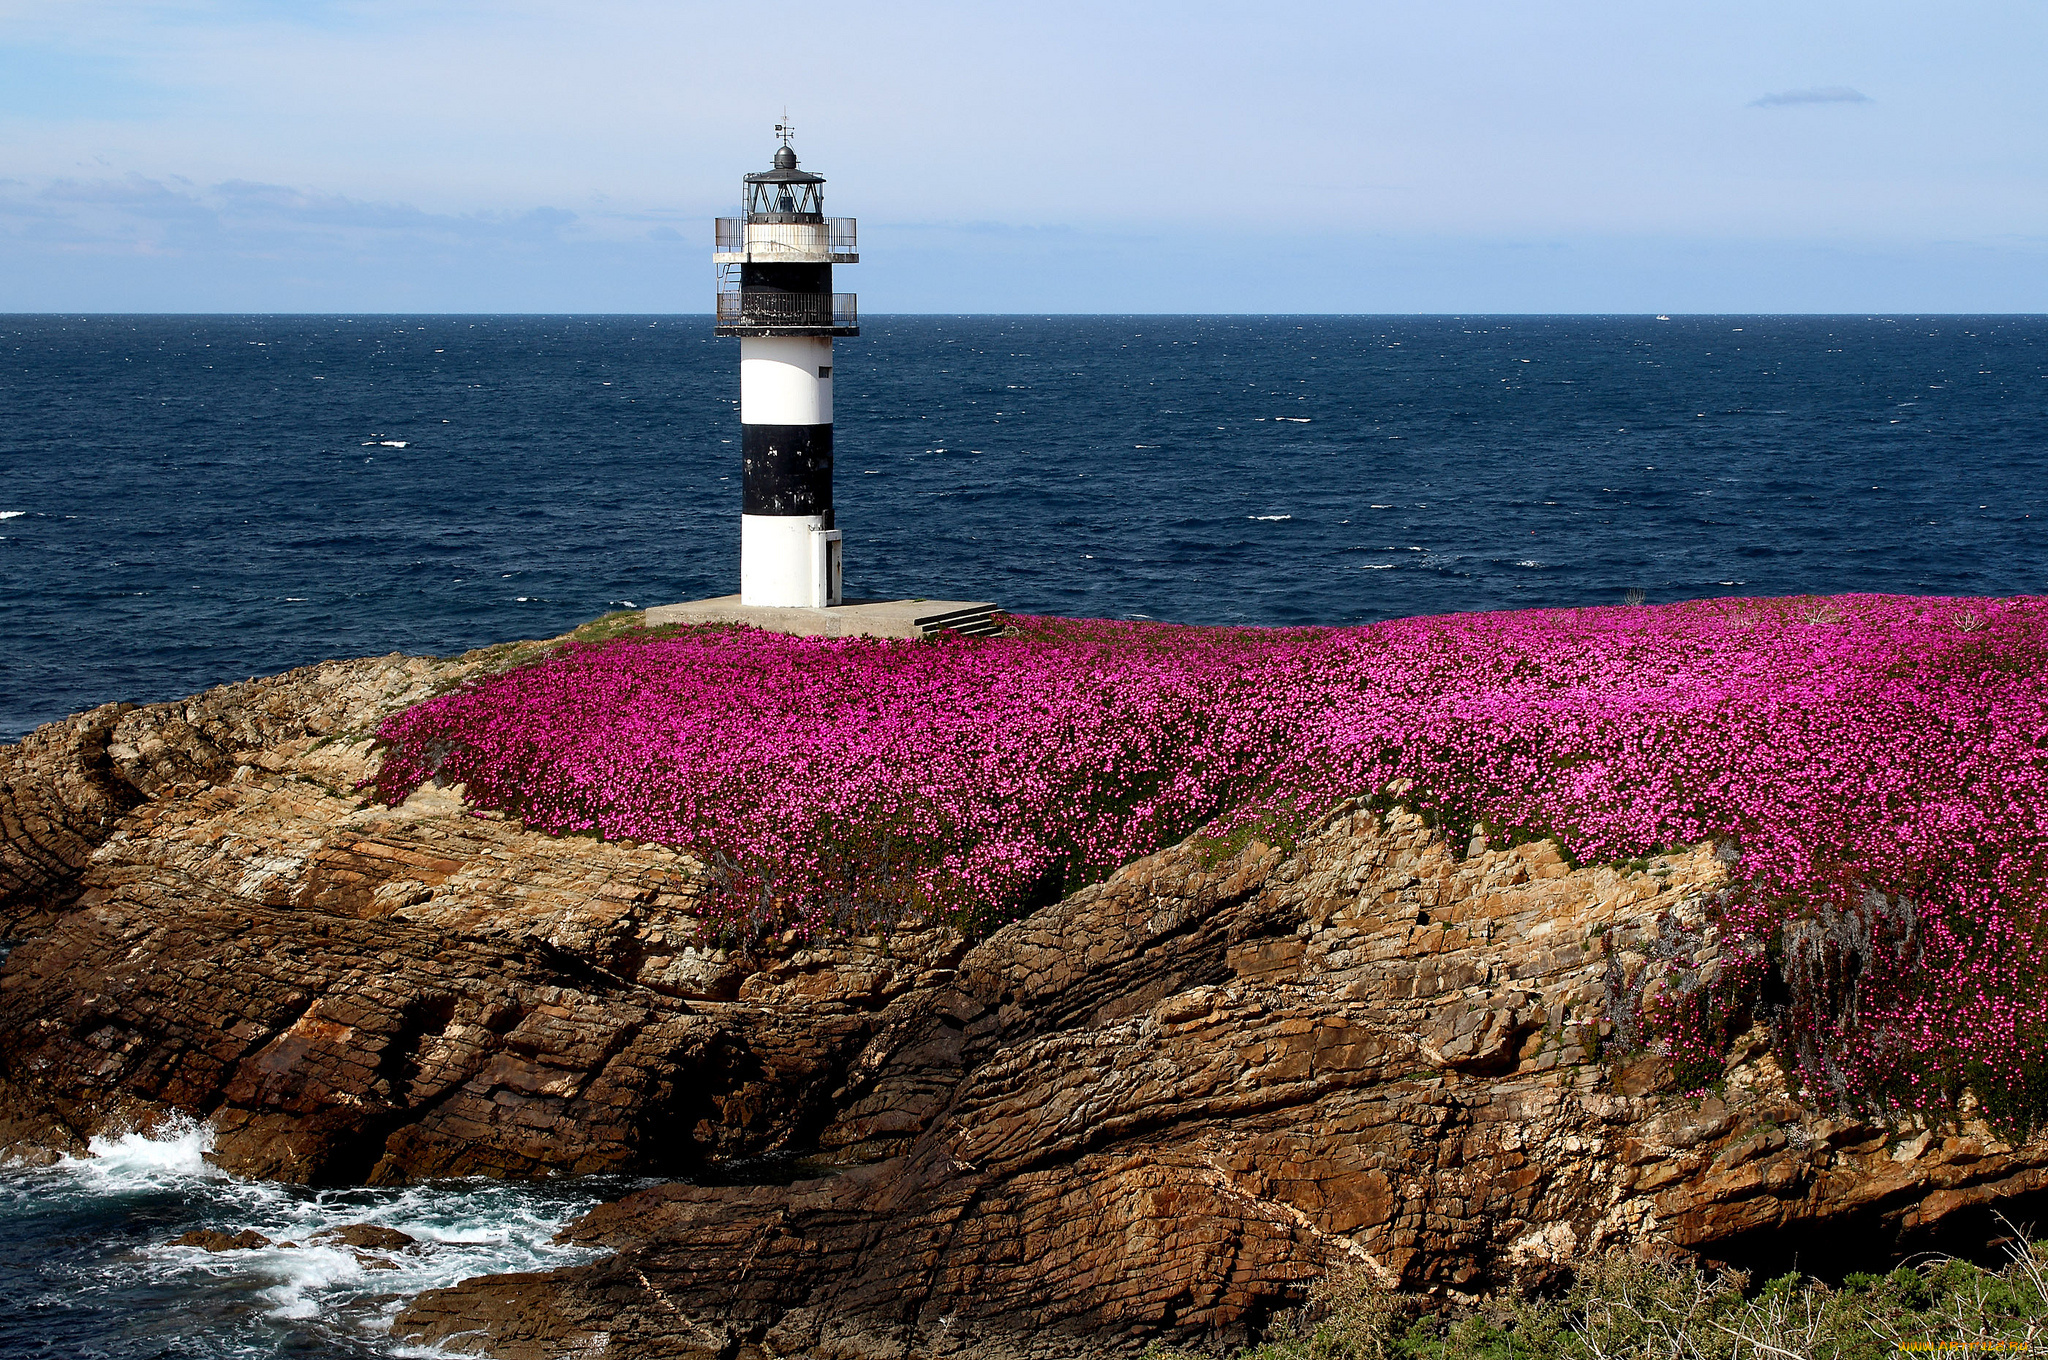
point(775, 293)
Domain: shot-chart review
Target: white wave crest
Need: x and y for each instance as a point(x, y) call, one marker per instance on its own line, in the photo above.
point(12, 514)
point(310, 1273)
point(172, 1154)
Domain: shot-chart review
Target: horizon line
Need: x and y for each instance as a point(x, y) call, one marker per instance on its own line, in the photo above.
point(1866, 314)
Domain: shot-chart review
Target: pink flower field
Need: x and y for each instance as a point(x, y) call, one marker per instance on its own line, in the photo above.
point(1848, 747)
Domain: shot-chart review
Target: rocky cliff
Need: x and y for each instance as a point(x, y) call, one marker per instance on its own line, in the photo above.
point(1158, 1107)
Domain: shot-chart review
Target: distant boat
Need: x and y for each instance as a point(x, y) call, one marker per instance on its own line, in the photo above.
point(1663, 318)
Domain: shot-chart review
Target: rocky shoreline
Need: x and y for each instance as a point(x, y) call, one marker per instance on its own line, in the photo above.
point(1158, 1108)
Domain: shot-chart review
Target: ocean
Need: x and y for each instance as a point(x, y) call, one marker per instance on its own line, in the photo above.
point(188, 500)
point(87, 1268)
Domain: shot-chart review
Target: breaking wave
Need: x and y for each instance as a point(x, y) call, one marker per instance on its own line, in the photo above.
point(88, 1263)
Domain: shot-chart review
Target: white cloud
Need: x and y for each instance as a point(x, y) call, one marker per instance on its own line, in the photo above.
point(1826, 94)
point(172, 216)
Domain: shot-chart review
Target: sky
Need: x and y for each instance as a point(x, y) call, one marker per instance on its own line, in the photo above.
point(1459, 156)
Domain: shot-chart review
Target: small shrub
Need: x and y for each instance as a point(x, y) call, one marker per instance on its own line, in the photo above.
point(1348, 1315)
point(1621, 1306)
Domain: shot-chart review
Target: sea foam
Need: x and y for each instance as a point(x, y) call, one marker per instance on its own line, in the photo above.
point(308, 1291)
point(171, 1155)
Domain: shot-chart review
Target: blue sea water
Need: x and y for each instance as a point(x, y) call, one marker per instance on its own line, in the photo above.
point(88, 1269)
point(188, 500)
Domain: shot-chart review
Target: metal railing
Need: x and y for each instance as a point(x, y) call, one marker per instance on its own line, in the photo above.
point(729, 235)
point(790, 311)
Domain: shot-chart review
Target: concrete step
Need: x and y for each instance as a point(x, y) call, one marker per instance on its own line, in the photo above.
point(855, 618)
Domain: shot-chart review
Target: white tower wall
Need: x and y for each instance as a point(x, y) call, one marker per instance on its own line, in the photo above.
point(788, 561)
point(786, 380)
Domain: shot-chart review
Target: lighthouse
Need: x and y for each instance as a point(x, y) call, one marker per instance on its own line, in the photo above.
point(775, 293)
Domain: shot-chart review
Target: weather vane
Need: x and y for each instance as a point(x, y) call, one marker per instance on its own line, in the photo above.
point(785, 129)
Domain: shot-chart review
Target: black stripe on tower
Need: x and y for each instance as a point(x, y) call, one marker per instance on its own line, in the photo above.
point(785, 278)
point(787, 470)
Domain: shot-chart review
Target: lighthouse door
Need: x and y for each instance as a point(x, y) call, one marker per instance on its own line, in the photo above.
point(827, 569)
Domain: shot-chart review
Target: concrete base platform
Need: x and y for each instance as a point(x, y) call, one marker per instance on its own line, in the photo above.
point(855, 618)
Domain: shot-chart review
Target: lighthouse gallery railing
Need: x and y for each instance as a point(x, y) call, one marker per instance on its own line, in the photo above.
point(835, 311)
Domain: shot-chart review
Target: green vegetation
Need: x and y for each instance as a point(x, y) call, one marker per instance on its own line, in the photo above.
point(1283, 827)
point(605, 627)
point(1621, 1306)
point(621, 624)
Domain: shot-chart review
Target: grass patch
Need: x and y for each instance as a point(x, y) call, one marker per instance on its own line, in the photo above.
point(1621, 1306)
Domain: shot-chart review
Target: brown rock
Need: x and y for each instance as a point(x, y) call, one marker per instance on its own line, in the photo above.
point(246, 1240)
point(59, 798)
point(217, 922)
point(1162, 1105)
point(367, 1236)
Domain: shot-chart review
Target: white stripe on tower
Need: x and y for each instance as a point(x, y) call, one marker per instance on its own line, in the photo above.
point(786, 380)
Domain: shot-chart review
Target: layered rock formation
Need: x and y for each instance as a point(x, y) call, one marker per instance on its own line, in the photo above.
point(1156, 1108)
point(214, 920)
point(1165, 1103)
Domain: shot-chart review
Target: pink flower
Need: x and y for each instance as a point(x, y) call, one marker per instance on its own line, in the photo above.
point(1847, 745)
